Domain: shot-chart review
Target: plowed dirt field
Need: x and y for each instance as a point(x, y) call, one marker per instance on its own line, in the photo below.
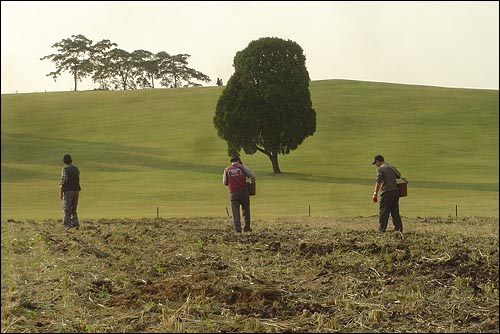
point(287, 275)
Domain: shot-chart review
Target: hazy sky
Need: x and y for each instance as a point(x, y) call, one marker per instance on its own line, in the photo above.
point(447, 44)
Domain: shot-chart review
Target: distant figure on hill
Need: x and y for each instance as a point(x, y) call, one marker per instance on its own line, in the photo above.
point(389, 201)
point(235, 177)
point(219, 82)
point(70, 190)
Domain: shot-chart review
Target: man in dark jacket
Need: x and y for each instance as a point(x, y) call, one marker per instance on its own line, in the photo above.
point(234, 178)
point(70, 189)
point(389, 201)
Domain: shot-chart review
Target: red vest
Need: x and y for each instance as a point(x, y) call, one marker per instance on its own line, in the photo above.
point(236, 178)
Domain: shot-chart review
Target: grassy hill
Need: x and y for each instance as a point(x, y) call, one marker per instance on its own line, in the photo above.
point(142, 150)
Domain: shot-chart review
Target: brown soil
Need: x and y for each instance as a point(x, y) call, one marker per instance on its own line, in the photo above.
point(288, 275)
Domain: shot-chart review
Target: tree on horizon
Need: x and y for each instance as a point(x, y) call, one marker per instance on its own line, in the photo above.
point(114, 68)
point(74, 57)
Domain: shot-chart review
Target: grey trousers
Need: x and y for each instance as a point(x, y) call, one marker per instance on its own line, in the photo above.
point(70, 203)
point(389, 204)
point(240, 198)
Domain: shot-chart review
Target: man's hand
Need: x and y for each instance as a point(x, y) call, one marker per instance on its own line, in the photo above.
point(374, 198)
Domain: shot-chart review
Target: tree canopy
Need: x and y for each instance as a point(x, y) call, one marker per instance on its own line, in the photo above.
point(74, 57)
point(266, 105)
point(114, 68)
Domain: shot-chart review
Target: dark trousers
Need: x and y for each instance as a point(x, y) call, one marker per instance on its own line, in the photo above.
point(389, 204)
point(240, 198)
point(70, 203)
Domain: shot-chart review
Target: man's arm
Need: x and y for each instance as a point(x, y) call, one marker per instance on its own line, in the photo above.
point(249, 172)
point(398, 173)
point(377, 188)
point(378, 181)
point(224, 178)
point(64, 178)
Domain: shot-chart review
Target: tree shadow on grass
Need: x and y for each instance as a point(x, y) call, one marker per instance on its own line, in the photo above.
point(417, 184)
point(32, 150)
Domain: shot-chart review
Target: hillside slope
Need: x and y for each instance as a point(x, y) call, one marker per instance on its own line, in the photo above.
point(148, 150)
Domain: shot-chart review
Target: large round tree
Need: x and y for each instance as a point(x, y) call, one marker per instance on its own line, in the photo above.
point(266, 105)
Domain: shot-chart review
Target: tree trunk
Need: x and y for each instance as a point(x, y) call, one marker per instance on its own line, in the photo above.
point(273, 156)
point(274, 160)
point(74, 77)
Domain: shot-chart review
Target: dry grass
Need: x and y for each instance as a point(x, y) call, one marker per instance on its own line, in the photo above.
point(288, 275)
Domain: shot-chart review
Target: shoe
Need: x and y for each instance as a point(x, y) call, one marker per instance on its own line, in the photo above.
point(67, 228)
point(247, 230)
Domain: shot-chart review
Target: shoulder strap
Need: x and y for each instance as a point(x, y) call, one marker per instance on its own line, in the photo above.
point(400, 175)
point(241, 170)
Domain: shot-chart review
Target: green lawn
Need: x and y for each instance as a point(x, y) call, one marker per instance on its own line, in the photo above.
point(146, 149)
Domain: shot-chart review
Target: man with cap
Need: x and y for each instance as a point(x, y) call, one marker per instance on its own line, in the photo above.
point(70, 189)
point(389, 193)
point(234, 177)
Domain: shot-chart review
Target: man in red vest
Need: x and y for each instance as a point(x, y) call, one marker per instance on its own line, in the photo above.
point(234, 177)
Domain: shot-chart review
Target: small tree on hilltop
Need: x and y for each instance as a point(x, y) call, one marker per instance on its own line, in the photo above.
point(174, 71)
point(74, 56)
point(266, 105)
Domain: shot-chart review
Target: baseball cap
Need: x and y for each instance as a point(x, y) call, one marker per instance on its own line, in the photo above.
point(377, 158)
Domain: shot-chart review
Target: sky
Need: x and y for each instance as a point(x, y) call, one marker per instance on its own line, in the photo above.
point(434, 43)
